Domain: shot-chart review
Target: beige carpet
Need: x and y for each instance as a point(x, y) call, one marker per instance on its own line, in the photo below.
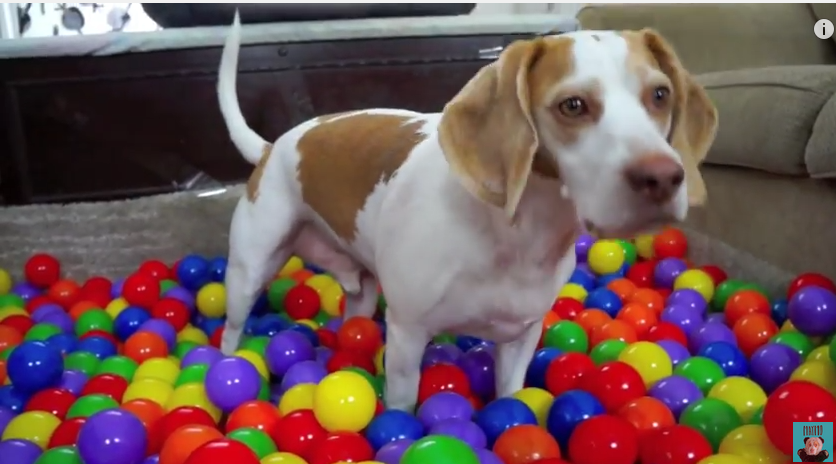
point(113, 238)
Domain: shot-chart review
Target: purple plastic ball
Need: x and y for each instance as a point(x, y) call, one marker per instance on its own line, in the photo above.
point(812, 310)
point(675, 350)
point(43, 310)
point(6, 416)
point(205, 354)
point(116, 289)
point(61, 320)
point(676, 392)
point(73, 381)
point(286, 349)
point(465, 430)
point(112, 436)
point(443, 406)
point(688, 297)
point(162, 328)
point(323, 354)
point(772, 364)
point(303, 372)
point(582, 246)
point(19, 451)
point(667, 270)
point(153, 459)
point(391, 453)
point(182, 295)
point(683, 316)
point(487, 456)
point(231, 382)
point(719, 318)
point(334, 324)
point(26, 290)
point(478, 366)
point(440, 353)
point(710, 332)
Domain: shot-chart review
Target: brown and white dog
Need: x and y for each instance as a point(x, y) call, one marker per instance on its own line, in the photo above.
point(468, 217)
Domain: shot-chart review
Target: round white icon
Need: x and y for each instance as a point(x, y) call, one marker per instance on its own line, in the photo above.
point(823, 29)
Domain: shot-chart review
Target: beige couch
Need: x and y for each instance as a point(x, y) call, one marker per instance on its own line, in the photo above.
point(771, 173)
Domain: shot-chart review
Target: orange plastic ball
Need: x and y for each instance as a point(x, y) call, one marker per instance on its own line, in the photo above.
point(151, 415)
point(256, 414)
point(179, 445)
point(9, 337)
point(670, 243)
point(613, 330)
point(302, 275)
point(754, 330)
point(65, 292)
point(647, 414)
point(360, 334)
point(143, 346)
point(624, 288)
point(551, 318)
point(650, 298)
point(745, 302)
point(80, 308)
point(590, 319)
point(526, 444)
point(639, 317)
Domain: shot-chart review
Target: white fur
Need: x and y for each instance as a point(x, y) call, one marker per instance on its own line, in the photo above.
point(448, 262)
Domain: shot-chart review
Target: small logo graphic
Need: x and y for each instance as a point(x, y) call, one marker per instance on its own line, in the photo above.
point(813, 441)
point(823, 29)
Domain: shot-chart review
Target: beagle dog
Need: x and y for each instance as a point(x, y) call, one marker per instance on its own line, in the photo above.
point(467, 218)
point(813, 450)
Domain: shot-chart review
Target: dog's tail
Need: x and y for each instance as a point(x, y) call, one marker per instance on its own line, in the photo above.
point(249, 143)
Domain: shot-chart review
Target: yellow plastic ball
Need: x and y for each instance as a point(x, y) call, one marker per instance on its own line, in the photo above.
point(300, 396)
point(644, 246)
point(573, 291)
point(34, 426)
point(282, 458)
point(538, 400)
point(741, 393)
point(378, 360)
point(192, 334)
point(344, 401)
point(211, 300)
point(193, 394)
point(292, 265)
point(650, 360)
point(698, 280)
point(821, 373)
point(154, 390)
point(724, 458)
point(787, 326)
point(312, 324)
point(330, 299)
point(5, 281)
point(115, 307)
point(821, 353)
point(752, 443)
point(605, 257)
point(256, 360)
point(320, 282)
point(165, 369)
point(10, 311)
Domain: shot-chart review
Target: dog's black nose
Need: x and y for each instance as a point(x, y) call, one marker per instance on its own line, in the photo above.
point(655, 177)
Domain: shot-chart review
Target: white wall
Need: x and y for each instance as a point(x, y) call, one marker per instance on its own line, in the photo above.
point(528, 8)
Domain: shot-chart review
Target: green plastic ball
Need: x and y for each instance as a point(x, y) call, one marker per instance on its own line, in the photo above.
point(704, 372)
point(607, 351)
point(93, 319)
point(713, 418)
point(166, 285)
point(256, 345)
point(630, 253)
point(4, 355)
point(60, 455)
point(567, 336)
point(832, 350)
point(757, 417)
point(321, 318)
point(373, 381)
point(118, 365)
point(183, 348)
point(82, 361)
point(264, 391)
point(11, 300)
point(41, 332)
point(277, 291)
point(795, 340)
point(88, 405)
point(439, 449)
point(259, 442)
point(195, 373)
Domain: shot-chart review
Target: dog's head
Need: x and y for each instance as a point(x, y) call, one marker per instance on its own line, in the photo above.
point(813, 445)
point(613, 114)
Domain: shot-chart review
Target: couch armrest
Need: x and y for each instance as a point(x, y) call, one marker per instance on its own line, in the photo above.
point(717, 37)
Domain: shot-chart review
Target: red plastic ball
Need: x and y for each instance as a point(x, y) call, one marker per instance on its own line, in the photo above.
point(173, 311)
point(666, 331)
point(327, 338)
point(256, 414)
point(795, 401)
point(523, 444)
point(360, 334)
point(753, 331)
point(184, 415)
point(155, 268)
point(342, 447)
point(604, 439)
point(550, 461)
point(65, 292)
point(36, 302)
point(299, 433)
point(95, 285)
point(42, 270)
point(567, 308)
point(302, 302)
point(677, 444)
point(717, 275)
point(223, 451)
point(55, 401)
point(565, 372)
point(18, 322)
point(647, 414)
point(670, 243)
point(151, 415)
point(111, 385)
point(810, 279)
point(67, 432)
point(614, 384)
point(141, 290)
point(345, 358)
point(216, 337)
point(442, 377)
point(743, 302)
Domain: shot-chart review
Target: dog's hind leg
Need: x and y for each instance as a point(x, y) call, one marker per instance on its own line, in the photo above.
point(364, 302)
point(259, 242)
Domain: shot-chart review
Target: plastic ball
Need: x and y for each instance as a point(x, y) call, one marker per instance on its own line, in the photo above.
point(751, 443)
point(112, 437)
point(742, 394)
point(231, 382)
point(649, 360)
point(704, 372)
point(614, 384)
point(821, 373)
point(344, 401)
point(193, 394)
point(360, 334)
point(442, 377)
point(222, 450)
point(602, 439)
point(730, 358)
point(525, 444)
point(565, 372)
point(439, 449)
point(211, 300)
point(391, 426)
point(34, 365)
point(605, 257)
point(301, 302)
point(500, 415)
point(697, 280)
point(300, 396)
point(141, 290)
point(34, 426)
point(677, 444)
point(713, 418)
point(568, 410)
point(184, 441)
point(258, 442)
point(538, 400)
point(444, 406)
point(283, 458)
point(42, 270)
point(812, 310)
point(287, 349)
point(809, 279)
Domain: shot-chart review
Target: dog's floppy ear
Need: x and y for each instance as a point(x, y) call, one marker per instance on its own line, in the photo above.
point(822, 440)
point(487, 131)
point(694, 116)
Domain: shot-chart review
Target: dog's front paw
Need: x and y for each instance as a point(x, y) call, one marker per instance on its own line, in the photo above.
point(230, 340)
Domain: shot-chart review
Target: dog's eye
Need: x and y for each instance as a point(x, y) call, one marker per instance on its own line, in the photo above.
point(573, 107)
point(660, 95)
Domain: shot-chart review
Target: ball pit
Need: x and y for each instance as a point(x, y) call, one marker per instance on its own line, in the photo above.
point(645, 358)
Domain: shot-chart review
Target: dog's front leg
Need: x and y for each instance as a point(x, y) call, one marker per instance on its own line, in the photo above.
point(512, 360)
point(404, 349)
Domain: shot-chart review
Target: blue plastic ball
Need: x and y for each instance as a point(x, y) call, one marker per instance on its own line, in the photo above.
point(604, 299)
point(64, 342)
point(466, 342)
point(34, 366)
point(604, 280)
point(217, 269)
point(13, 399)
point(779, 311)
point(99, 346)
point(536, 374)
point(129, 321)
point(500, 415)
point(269, 325)
point(583, 278)
point(193, 272)
point(209, 325)
point(728, 357)
point(568, 410)
point(308, 332)
point(314, 268)
point(393, 425)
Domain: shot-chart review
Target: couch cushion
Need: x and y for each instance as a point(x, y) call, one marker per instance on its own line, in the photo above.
point(820, 155)
point(767, 117)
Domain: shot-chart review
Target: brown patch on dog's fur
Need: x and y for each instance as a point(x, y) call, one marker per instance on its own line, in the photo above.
point(254, 181)
point(344, 158)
